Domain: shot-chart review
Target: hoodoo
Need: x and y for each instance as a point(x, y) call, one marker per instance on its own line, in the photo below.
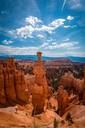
point(12, 84)
point(40, 89)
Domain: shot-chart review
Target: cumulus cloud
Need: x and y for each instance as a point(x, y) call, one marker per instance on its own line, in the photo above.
point(33, 26)
point(7, 42)
point(70, 18)
point(52, 26)
point(25, 32)
point(63, 45)
point(45, 28)
point(32, 20)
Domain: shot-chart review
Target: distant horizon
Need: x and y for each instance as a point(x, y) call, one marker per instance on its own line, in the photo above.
point(42, 55)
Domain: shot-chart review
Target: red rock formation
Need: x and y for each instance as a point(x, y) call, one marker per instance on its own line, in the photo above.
point(79, 87)
point(12, 84)
point(2, 91)
point(9, 85)
point(20, 86)
point(67, 80)
point(63, 100)
point(30, 81)
point(73, 84)
point(84, 75)
point(40, 74)
point(38, 99)
point(10, 63)
point(40, 89)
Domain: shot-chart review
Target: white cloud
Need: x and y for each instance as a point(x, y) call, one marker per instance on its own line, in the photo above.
point(7, 42)
point(52, 26)
point(25, 32)
point(32, 20)
point(57, 23)
point(44, 45)
point(53, 43)
point(33, 26)
point(67, 26)
point(67, 50)
point(18, 50)
point(64, 45)
point(40, 36)
point(45, 28)
point(50, 40)
point(70, 18)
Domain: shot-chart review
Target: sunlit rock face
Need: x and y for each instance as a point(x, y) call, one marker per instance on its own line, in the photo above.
point(12, 84)
point(77, 113)
point(75, 85)
point(9, 84)
point(20, 85)
point(40, 89)
point(67, 80)
point(30, 81)
point(63, 100)
point(53, 103)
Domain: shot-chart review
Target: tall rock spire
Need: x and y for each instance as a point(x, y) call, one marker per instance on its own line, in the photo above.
point(40, 89)
point(39, 55)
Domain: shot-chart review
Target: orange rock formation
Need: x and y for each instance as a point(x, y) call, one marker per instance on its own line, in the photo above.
point(2, 91)
point(12, 84)
point(70, 83)
point(40, 89)
point(63, 100)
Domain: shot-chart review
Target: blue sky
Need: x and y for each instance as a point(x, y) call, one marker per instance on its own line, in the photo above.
point(55, 27)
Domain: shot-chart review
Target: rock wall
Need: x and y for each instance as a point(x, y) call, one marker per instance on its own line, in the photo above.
point(12, 84)
point(2, 91)
point(20, 86)
point(9, 85)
